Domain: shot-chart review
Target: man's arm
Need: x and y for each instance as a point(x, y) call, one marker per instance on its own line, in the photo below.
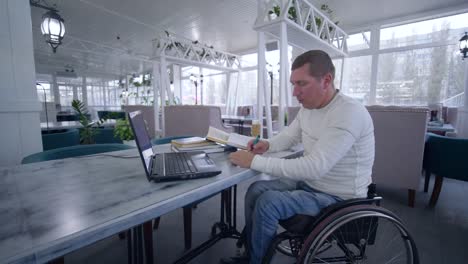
point(334, 142)
point(327, 151)
point(288, 137)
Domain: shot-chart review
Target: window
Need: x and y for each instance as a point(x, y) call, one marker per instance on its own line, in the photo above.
point(247, 90)
point(445, 29)
point(66, 94)
point(359, 41)
point(356, 78)
point(419, 76)
point(44, 92)
point(338, 66)
point(214, 89)
point(418, 64)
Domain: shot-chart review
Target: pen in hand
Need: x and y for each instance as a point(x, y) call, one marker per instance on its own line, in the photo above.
point(255, 142)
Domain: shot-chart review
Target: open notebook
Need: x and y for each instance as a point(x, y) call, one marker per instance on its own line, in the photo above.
point(231, 139)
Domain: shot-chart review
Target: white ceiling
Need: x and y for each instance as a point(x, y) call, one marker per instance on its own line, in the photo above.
point(92, 26)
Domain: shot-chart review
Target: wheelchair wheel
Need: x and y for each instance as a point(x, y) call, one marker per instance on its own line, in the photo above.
point(359, 234)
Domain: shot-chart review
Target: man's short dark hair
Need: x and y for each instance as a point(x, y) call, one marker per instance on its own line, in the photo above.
point(319, 63)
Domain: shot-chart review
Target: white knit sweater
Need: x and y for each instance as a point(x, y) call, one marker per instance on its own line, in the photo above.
point(338, 144)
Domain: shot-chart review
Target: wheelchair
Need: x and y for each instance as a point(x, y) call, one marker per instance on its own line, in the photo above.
point(351, 231)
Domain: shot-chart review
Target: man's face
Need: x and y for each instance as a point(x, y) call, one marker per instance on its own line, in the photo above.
point(309, 91)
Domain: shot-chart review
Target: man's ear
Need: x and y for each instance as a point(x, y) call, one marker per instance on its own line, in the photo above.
point(327, 79)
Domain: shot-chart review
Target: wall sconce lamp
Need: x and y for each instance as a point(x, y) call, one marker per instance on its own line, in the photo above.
point(52, 26)
point(464, 46)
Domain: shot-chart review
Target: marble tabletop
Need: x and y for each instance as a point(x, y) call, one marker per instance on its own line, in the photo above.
point(239, 118)
point(52, 208)
point(443, 128)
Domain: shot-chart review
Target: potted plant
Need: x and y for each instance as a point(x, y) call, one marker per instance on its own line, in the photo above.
point(88, 131)
point(123, 131)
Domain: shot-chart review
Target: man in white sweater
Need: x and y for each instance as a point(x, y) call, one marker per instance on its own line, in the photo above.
point(338, 138)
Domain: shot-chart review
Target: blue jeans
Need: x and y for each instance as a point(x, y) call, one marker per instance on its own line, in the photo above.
point(267, 202)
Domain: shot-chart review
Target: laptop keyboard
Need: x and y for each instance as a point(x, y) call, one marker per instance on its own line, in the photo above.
point(175, 163)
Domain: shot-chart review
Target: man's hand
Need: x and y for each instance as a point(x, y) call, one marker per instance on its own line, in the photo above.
point(242, 158)
point(261, 147)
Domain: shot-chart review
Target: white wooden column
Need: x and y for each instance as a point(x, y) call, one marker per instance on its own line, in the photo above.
point(263, 95)
point(162, 90)
point(156, 96)
point(84, 91)
point(462, 123)
point(200, 81)
point(19, 103)
point(374, 45)
point(75, 91)
point(230, 96)
point(283, 78)
point(55, 88)
point(176, 81)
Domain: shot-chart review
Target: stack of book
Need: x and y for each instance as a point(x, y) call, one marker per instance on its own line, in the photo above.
point(196, 144)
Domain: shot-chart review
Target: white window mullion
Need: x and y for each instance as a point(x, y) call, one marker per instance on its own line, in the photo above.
point(374, 47)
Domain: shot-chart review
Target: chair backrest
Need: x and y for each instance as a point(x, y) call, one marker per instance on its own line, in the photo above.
point(53, 139)
point(73, 151)
point(148, 116)
point(245, 110)
point(106, 135)
point(451, 116)
point(446, 156)
point(292, 113)
point(111, 114)
point(399, 144)
point(182, 120)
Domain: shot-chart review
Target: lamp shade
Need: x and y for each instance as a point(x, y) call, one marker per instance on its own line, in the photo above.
point(193, 78)
point(464, 45)
point(53, 29)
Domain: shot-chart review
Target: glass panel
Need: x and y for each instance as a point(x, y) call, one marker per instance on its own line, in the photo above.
point(66, 95)
point(247, 90)
point(214, 89)
point(188, 92)
point(249, 60)
point(420, 76)
point(338, 65)
point(359, 41)
point(356, 78)
point(429, 31)
point(43, 88)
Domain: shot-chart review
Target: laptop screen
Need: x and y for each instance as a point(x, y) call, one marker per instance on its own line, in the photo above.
point(142, 138)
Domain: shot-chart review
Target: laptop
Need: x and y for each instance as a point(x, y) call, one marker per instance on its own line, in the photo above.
point(169, 166)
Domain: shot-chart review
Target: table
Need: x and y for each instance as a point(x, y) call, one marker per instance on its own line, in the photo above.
point(441, 130)
point(71, 124)
point(52, 208)
point(239, 119)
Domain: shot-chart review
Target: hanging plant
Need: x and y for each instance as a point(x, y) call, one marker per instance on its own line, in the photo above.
point(292, 15)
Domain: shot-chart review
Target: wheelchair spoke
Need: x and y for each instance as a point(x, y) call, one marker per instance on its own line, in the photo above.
point(373, 236)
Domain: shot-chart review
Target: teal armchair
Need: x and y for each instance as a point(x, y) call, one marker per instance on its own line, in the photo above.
point(60, 139)
point(445, 157)
point(105, 135)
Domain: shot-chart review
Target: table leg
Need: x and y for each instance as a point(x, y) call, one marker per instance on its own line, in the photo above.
point(225, 226)
point(140, 244)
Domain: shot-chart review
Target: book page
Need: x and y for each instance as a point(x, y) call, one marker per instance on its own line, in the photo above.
point(238, 140)
point(217, 135)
